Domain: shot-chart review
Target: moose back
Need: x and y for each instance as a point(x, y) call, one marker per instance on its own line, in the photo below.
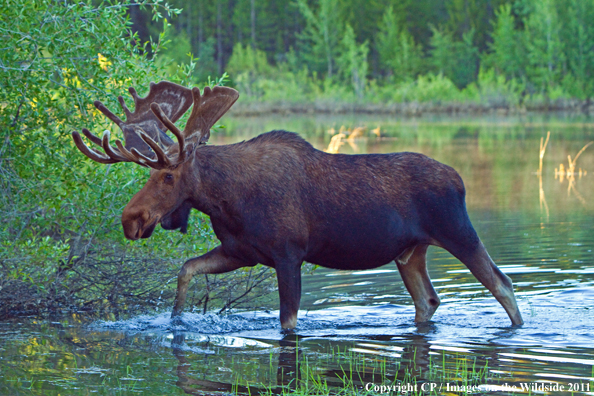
point(278, 201)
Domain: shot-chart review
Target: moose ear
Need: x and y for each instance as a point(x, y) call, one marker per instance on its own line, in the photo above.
point(208, 109)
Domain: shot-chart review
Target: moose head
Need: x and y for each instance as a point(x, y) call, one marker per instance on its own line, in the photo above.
point(164, 198)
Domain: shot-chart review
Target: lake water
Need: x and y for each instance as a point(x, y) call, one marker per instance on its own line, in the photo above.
point(356, 328)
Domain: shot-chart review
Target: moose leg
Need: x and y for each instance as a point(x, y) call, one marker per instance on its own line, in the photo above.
point(413, 269)
point(478, 261)
point(213, 262)
point(289, 290)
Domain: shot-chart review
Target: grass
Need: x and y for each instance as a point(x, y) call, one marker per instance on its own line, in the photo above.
point(570, 171)
point(561, 173)
point(348, 372)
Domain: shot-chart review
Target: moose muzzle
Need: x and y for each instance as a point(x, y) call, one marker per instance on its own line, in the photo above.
point(138, 224)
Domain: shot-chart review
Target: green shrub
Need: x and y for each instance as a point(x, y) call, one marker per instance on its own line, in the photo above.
point(61, 240)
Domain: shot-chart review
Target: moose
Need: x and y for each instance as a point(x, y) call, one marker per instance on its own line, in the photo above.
point(278, 201)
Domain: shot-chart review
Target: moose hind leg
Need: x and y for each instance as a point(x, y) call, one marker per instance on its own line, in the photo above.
point(412, 265)
point(475, 257)
point(213, 262)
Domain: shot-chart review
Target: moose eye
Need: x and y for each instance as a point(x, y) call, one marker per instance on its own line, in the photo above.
point(168, 178)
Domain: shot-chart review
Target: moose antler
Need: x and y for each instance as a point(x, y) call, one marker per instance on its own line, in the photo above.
point(207, 110)
point(144, 129)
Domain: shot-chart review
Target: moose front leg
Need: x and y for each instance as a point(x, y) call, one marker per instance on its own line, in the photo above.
point(213, 262)
point(289, 291)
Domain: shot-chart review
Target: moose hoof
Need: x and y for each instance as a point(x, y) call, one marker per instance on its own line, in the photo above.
point(424, 312)
point(289, 323)
point(176, 319)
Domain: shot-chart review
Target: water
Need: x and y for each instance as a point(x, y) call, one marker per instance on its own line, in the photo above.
point(539, 230)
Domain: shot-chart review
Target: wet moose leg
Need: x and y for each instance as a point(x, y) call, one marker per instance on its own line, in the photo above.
point(413, 270)
point(454, 232)
point(473, 254)
point(484, 269)
point(213, 262)
point(289, 290)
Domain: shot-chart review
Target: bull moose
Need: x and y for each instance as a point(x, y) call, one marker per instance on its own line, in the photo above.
point(278, 201)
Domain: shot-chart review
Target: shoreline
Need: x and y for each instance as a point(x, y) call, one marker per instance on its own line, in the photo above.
point(408, 109)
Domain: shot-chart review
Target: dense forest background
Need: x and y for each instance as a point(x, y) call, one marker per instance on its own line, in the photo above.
point(495, 52)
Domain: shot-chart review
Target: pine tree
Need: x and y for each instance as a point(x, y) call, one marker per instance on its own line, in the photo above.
point(353, 61)
point(506, 47)
point(464, 15)
point(577, 34)
point(544, 48)
point(399, 54)
point(457, 60)
point(321, 37)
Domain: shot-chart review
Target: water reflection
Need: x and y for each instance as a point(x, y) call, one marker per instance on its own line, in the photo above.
point(377, 344)
point(420, 352)
point(382, 344)
point(287, 369)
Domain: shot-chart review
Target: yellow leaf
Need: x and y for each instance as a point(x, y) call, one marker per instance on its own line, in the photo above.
point(103, 62)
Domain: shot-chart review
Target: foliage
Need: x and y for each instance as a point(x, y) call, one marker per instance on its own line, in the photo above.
point(61, 241)
point(248, 60)
point(176, 55)
point(67, 56)
point(494, 90)
point(577, 33)
point(427, 88)
point(543, 44)
point(397, 48)
point(321, 36)
point(457, 60)
point(475, 15)
point(353, 61)
point(546, 47)
point(506, 48)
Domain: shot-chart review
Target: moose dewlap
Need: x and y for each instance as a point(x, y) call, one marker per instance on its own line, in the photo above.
point(278, 201)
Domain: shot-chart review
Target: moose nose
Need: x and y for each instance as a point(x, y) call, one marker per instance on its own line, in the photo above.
point(138, 233)
point(147, 231)
point(132, 229)
point(133, 223)
point(138, 225)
